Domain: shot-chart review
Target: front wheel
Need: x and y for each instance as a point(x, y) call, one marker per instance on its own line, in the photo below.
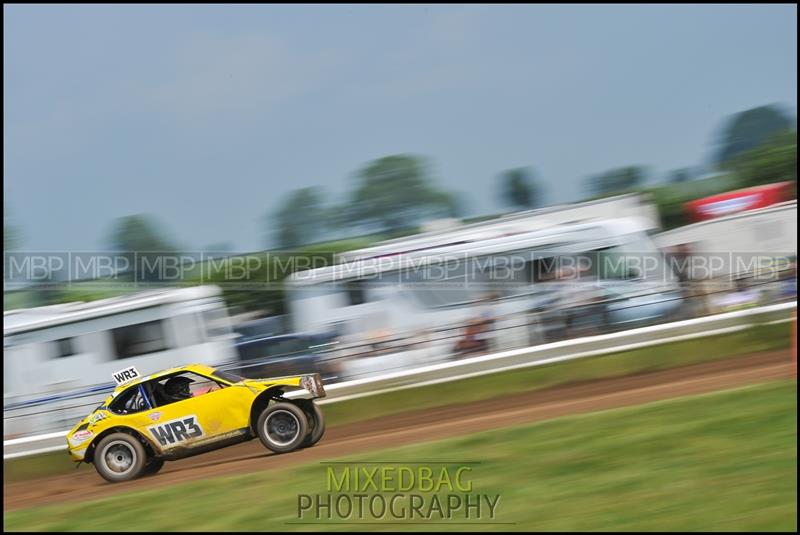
point(119, 457)
point(316, 421)
point(282, 427)
point(153, 467)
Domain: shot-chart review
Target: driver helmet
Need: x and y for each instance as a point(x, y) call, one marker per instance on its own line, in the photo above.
point(178, 387)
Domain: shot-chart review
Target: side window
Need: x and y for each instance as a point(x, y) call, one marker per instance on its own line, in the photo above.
point(129, 402)
point(133, 340)
point(181, 386)
point(355, 292)
point(65, 347)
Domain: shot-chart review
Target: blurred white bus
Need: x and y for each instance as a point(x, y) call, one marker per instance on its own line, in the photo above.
point(630, 205)
point(410, 292)
point(58, 360)
point(738, 244)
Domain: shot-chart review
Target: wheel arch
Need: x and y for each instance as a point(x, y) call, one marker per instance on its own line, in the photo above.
point(149, 448)
point(262, 402)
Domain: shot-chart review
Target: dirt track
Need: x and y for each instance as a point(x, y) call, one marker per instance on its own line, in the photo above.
point(407, 428)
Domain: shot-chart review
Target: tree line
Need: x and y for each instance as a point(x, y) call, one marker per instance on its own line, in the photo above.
point(392, 195)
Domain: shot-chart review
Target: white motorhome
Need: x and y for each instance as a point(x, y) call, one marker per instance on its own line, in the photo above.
point(738, 244)
point(631, 205)
point(58, 360)
point(418, 287)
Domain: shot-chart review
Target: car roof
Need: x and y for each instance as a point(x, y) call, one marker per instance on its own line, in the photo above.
point(197, 368)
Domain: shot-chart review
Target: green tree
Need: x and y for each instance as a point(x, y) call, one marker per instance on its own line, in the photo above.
point(520, 190)
point(140, 240)
point(772, 161)
point(301, 218)
point(679, 175)
point(139, 233)
point(395, 192)
point(748, 129)
point(618, 180)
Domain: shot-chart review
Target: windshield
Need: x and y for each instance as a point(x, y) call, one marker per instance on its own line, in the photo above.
point(228, 376)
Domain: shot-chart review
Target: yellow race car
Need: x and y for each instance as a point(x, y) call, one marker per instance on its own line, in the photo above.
point(189, 410)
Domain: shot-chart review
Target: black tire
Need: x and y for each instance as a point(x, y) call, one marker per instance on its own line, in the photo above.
point(282, 427)
point(316, 421)
point(119, 457)
point(153, 467)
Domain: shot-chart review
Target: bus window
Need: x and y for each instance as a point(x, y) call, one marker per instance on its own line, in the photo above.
point(139, 339)
point(355, 292)
point(65, 347)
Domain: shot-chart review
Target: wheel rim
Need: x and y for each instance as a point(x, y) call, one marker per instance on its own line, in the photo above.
point(120, 457)
point(282, 427)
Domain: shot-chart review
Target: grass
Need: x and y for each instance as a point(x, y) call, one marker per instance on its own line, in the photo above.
point(721, 461)
point(659, 357)
point(760, 338)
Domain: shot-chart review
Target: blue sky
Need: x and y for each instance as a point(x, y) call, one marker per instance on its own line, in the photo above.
point(206, 116)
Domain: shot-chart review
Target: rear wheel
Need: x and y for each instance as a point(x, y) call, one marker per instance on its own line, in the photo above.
point(282, 427)
point(316, 421)
point(119, 457)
